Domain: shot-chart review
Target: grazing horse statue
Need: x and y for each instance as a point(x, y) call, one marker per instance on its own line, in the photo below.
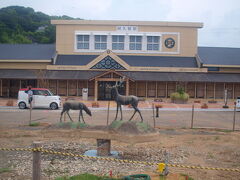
point(125, 100)
point(75, 106)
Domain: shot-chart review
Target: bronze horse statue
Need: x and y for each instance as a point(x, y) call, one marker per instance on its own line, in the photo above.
point(125, 100)
point(75, 106)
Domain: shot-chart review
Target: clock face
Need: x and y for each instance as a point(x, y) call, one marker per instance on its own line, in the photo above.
point(169, 42)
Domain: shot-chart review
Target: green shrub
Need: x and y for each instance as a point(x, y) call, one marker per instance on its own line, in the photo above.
point(180, 90)
point(72, 125)
point(182, 96)
point(3, 170)
point(85, 177)
point(116, 124)
point(34, 124)
point(143, 127)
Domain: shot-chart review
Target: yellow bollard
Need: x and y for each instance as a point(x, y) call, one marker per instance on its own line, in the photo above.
point(161, 167)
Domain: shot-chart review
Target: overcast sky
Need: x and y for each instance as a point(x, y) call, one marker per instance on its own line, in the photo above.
point(221, 18)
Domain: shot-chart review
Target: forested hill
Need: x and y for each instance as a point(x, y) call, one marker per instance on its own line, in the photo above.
point(23, 25)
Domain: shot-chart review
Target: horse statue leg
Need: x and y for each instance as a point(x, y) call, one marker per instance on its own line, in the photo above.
point(136, 110)
point(116, 113)
point(79, 119)
point(139, 113)
point(69, 116)
point(61, 115)
point(82, 116)
point(133, 114)
point(120, 110)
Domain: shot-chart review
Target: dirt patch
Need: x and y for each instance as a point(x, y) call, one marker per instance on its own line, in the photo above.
point(128, 128)
point(131, 127)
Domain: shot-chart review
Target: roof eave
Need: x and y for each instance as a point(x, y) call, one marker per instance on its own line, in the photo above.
point(128, 23)
point(220, 65)
point(25, 61)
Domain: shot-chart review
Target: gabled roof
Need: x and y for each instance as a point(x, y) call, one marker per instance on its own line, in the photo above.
point(159, 61)
point(219, 56)
point(27, 51)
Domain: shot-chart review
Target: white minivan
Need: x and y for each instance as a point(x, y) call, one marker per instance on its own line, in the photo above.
point(42, 98)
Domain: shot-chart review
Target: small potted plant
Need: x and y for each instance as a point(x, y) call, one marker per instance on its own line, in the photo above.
point(204, 106)
point(158, 106)
point(9, 102)
point(95, 104)
point(197, 101)
point(179, 97)
point(212, 101)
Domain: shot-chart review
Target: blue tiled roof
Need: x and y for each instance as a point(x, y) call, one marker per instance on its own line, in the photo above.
point(219, 55)
point(27, 51)
point(74, 59)
point(159, 61)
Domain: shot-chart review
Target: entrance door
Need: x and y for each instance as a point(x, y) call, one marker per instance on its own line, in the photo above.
point(105, 90)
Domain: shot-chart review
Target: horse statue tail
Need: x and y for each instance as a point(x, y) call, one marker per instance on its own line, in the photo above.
point(87, 110)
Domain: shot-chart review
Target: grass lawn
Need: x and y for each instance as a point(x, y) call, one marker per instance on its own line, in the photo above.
point(85, 177)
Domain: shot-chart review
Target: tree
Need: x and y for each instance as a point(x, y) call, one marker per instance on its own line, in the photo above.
point(21, 25)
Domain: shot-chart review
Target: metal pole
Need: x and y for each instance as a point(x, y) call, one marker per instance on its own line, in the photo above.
point(192, 116)
point(30, 120)
point(154, 120)
point(36, 168)
point(108, 112)
point(234, 116)
point(157, 111)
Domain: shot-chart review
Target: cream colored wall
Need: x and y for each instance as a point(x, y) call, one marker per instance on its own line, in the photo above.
point(186, 40)
point(65, 38)
point(23, 65)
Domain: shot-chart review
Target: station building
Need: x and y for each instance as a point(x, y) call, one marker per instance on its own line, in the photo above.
point(154, 57)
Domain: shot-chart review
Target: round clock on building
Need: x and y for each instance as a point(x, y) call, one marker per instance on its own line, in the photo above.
point(169, 42)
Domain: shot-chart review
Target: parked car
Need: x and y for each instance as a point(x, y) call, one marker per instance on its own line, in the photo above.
point(42, 98)
point(238, 103)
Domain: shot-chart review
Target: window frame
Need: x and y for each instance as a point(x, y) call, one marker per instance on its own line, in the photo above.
point(118, 42)
point(152, 43)
point(135, 43)
point(100, 42)
point(125, 47)
point(83, 41)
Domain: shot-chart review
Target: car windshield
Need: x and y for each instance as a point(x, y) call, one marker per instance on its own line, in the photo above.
point(238, 97)
point(51, 94)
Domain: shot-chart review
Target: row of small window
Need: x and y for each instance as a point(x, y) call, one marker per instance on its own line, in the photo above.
point(135, 42)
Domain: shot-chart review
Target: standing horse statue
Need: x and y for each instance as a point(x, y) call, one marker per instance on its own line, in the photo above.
point(75, 106)
point(125, 100)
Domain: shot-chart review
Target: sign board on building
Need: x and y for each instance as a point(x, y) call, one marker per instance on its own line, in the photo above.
point(127, 28)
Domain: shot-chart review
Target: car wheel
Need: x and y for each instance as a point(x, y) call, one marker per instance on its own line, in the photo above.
point(22, 105)
point(53, 106)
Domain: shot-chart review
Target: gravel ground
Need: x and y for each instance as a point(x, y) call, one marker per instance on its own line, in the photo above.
point(200, 147)
point(54, 165)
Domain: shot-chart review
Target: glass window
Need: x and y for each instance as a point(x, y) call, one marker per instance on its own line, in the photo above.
point(135, 43)
point(118, 42)
point(100, 41)
point(82, 41)
point(153, 43)
point(46, 93)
